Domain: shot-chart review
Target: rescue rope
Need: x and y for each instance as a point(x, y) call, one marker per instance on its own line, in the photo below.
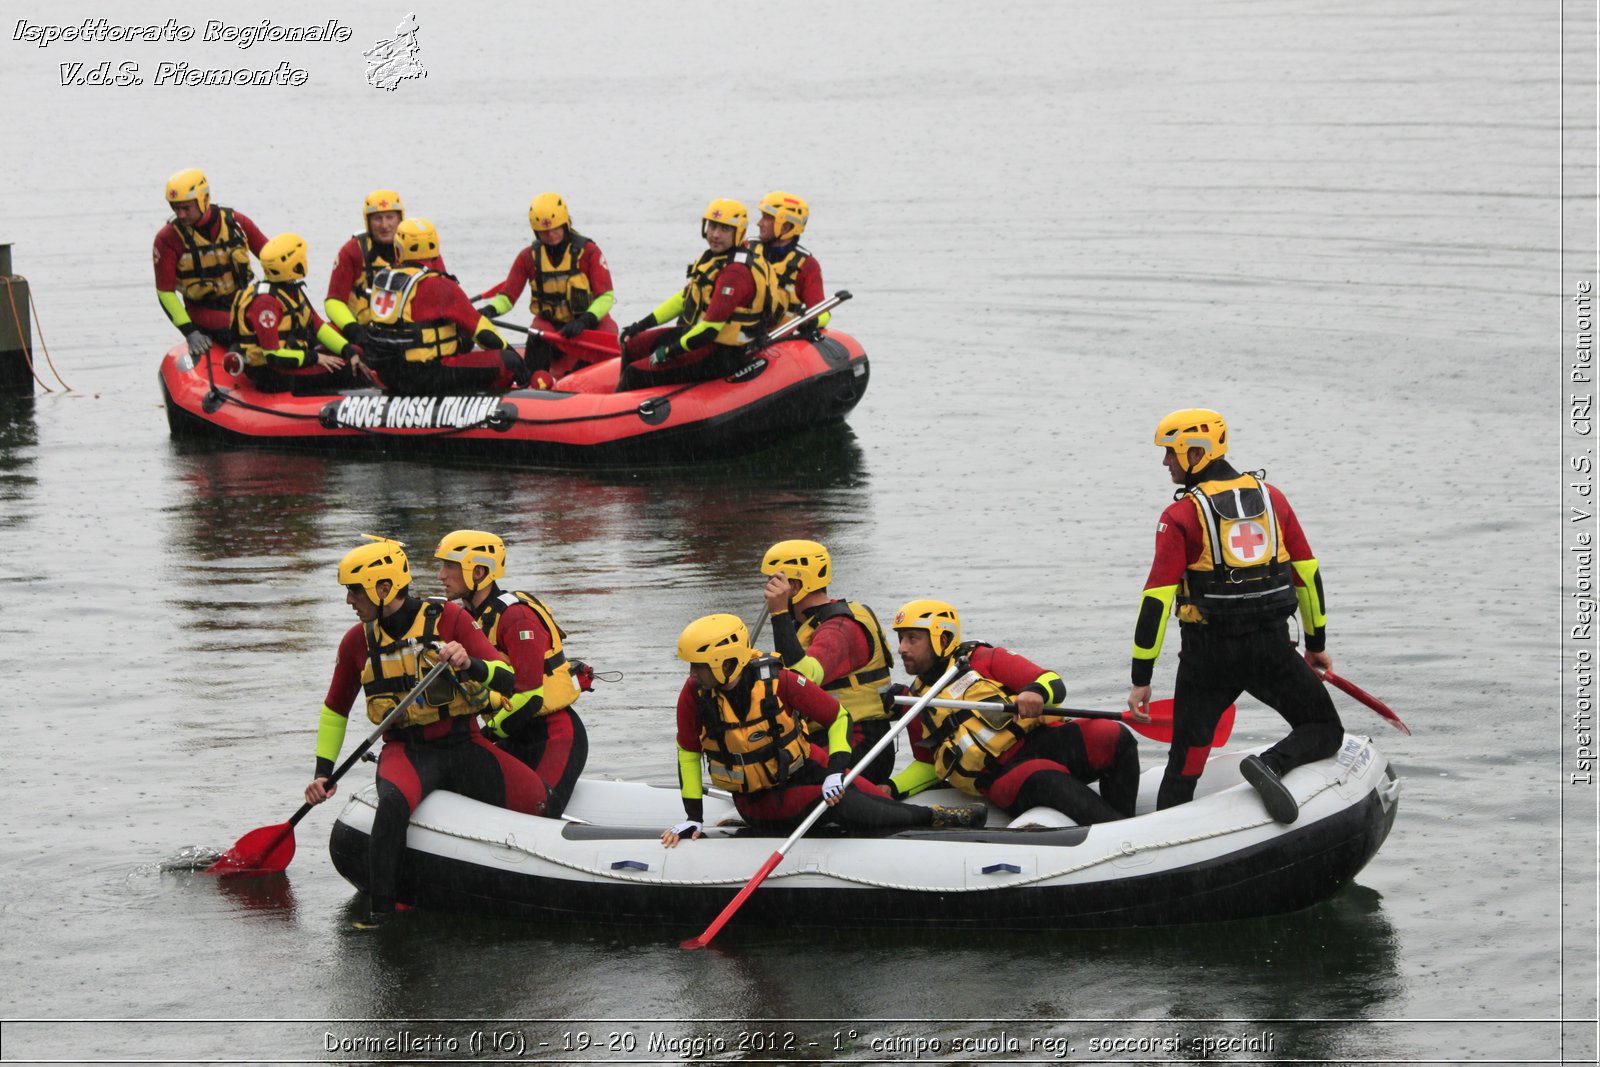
point(27, 346)
point(1121, 852)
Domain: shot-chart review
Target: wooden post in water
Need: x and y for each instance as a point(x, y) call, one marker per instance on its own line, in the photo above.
point(16, 331)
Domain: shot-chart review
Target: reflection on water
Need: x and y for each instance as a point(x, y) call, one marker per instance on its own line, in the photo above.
point(1334, 962)
point(18, 438)
point(260, 517)
point(269, 897)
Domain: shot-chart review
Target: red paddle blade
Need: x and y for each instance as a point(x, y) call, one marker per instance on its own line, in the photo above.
point(1159, 728)
point(733, 905)
point(266, 850)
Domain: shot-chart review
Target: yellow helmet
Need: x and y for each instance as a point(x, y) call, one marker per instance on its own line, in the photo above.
point(473, 549)
point(416, 239)
point(1194, 428)
point(729, 213)
point(789, 214)
point(381, 200)
point(717, 641)
point(804, 560)
point(189, 184)
point(547, 212)
point(934, 616)
point(380, 560)
point(283, 259)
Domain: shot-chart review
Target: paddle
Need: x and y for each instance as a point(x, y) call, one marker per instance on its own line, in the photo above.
point(794, 324)
point(816, 813)
point(1366, 698)
point(605, 350)
point(1159, 728)
point(268, 849)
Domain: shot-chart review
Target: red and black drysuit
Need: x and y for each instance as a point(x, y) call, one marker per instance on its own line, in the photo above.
point(840, 646)
point(214, 316)
point(553, 743)
point(864, 809)
point(1051, 764)
point(1223, 655)
point(415, 760)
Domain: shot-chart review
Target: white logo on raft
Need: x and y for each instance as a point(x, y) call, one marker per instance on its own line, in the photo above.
point(414, 412)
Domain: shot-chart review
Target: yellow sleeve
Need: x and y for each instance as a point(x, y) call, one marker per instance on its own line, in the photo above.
point(330, 734)
point(338, 312)
point(707, 330)
point(331, 339)
point(839, 732)
point(601, 305)
point(1154, 608)
point(172, 304)
point(668, 309)
point(915, 778)
point(810, 669)
point(689, 785)
point(485, 333)
point(1313, 610)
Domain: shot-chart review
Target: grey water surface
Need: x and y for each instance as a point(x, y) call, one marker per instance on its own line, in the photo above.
point(1339, 223)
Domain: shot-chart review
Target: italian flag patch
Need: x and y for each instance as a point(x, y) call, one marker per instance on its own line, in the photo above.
point(525, 635)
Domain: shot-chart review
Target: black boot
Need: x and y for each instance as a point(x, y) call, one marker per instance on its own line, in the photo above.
point(1280, 803)
point(959, 818)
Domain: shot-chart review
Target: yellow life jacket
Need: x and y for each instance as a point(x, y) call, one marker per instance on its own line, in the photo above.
point(747, 321)
point(861, 692)
point(560, 691)
point(211, 270)
point(295, 329)
point(1243, 573)
point(559, 290)
point(394, 668)
point(758, 750)
point(393, 331)
point(785, 271)
point(967, 744)
point(360, 296)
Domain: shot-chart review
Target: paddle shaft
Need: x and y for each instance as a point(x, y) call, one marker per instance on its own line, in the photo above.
point(372, 739)
point(1158, 729)
point(800, 320)
point(555, 338)
point(816, 813)
point(1049, 709)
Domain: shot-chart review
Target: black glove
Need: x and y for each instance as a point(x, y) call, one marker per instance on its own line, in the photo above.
point(520, 373)
point(583, 322)
point(630, 332)
point(199, 340)
point(898, 689)
point(355, 333)
point(810, 330)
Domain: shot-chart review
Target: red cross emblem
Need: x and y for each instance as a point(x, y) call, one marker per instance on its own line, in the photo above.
point(383, 303)
point(1248, 541)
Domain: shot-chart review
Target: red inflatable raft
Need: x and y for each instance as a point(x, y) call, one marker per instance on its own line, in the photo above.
point(791, 385)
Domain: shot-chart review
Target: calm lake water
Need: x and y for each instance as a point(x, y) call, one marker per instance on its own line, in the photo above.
point(1341, 224)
